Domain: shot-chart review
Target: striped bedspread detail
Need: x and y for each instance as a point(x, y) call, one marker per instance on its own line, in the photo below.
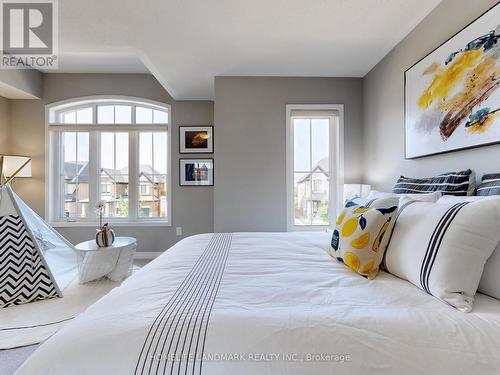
point(453, 183)
point(490, 185)
point(176, 340)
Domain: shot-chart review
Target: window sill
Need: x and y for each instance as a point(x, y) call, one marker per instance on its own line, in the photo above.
point(76, 224)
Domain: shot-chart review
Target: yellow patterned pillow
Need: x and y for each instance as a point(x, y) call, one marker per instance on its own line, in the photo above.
point(358, 237)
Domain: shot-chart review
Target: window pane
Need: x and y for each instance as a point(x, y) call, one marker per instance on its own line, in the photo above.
point(69, 118)
point(69, 151)
point(123, 114)
point(108, 150)
point(84, 116)
point(75, 174)
point(146, 152)
point(302, 199)
point(105, 114)
point(152, 196)
point(143, 115)
point(153, 174)
point(302, 144)
point(160, 117)
point(320, 141)
point(160, 152)
point(122, 152)
point(114, 174)
point(319, 199)
point(311, 171)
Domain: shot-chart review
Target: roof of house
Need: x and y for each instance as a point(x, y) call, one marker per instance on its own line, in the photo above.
point(321, 167)
point(79, 172)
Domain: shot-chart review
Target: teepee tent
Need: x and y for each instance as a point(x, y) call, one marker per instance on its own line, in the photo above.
point(36, 262)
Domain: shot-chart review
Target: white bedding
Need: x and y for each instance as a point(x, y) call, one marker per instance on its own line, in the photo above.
point(280, 300)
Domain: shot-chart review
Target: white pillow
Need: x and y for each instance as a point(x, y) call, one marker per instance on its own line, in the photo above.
point(455, 199)
point(425, 197)
point(442, 247)
point(490, 280)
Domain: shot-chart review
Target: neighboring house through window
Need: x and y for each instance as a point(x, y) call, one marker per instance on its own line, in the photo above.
point(314, 165)
point(110, 149)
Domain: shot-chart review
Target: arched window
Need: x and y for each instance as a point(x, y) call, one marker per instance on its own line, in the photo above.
point(114, 150)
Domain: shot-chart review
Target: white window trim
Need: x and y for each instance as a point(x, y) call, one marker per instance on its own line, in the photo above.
point(336, 191)
point(81, 102)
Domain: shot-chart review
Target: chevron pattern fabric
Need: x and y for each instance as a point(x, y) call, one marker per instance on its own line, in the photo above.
point(23, 276)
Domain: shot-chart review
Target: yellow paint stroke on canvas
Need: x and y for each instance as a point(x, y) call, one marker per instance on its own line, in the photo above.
point(445, 81)
point(474, 85)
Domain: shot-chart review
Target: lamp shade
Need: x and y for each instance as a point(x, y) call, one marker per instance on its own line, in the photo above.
point(16, 166)
point(356, 190)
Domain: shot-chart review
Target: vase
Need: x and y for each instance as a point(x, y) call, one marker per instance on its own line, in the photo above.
point(105, 236)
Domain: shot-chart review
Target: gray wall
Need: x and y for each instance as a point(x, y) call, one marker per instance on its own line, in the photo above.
point(21, 83)
point(192, 206)
point(383, 103)
point(250, 117)
point(4, 125)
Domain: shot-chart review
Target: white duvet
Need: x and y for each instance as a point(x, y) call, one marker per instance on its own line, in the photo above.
point(269, 303)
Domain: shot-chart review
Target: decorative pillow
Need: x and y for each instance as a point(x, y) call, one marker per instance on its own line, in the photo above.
point(425, 197)
point(358, 239)
point(373, 202)
point(453, 183)
point(490, 280)
point(442, 248)
point(490, 185)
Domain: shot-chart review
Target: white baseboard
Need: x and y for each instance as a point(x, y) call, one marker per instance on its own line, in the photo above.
point(146, 255)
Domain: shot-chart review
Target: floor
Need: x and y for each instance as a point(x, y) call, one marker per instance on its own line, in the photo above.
point(11, 359)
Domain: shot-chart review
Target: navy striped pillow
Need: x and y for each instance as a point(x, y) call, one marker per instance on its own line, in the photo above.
point(490, 185)
point(452, 183)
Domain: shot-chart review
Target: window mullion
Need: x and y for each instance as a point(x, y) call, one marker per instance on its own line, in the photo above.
point(133, 175)
point(310, 171)
point(333, 172)
point(94, 167)
point(57, 179)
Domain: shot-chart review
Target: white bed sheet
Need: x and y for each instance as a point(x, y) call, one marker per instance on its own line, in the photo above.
point(281, 301)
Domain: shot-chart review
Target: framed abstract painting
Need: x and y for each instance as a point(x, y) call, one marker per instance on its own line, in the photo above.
point(452, 95)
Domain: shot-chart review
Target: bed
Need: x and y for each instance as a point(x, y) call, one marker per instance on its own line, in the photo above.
point(269, 303)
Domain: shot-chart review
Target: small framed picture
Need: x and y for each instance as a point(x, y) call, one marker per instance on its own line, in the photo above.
point(196, 172)
point(196, 139)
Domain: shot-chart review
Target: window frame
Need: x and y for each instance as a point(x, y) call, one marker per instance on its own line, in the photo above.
point(53, 127)
point(336, 160)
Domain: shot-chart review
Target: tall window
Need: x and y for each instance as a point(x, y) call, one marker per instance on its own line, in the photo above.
point(314, 165)
point(114, 150)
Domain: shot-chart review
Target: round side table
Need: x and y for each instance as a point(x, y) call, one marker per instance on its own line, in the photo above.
point(115, 261)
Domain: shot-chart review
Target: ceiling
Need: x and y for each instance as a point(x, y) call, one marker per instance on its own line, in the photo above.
point(186, 43)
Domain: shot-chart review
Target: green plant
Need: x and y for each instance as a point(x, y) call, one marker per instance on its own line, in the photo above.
point(323, 211)
point(122, 207)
